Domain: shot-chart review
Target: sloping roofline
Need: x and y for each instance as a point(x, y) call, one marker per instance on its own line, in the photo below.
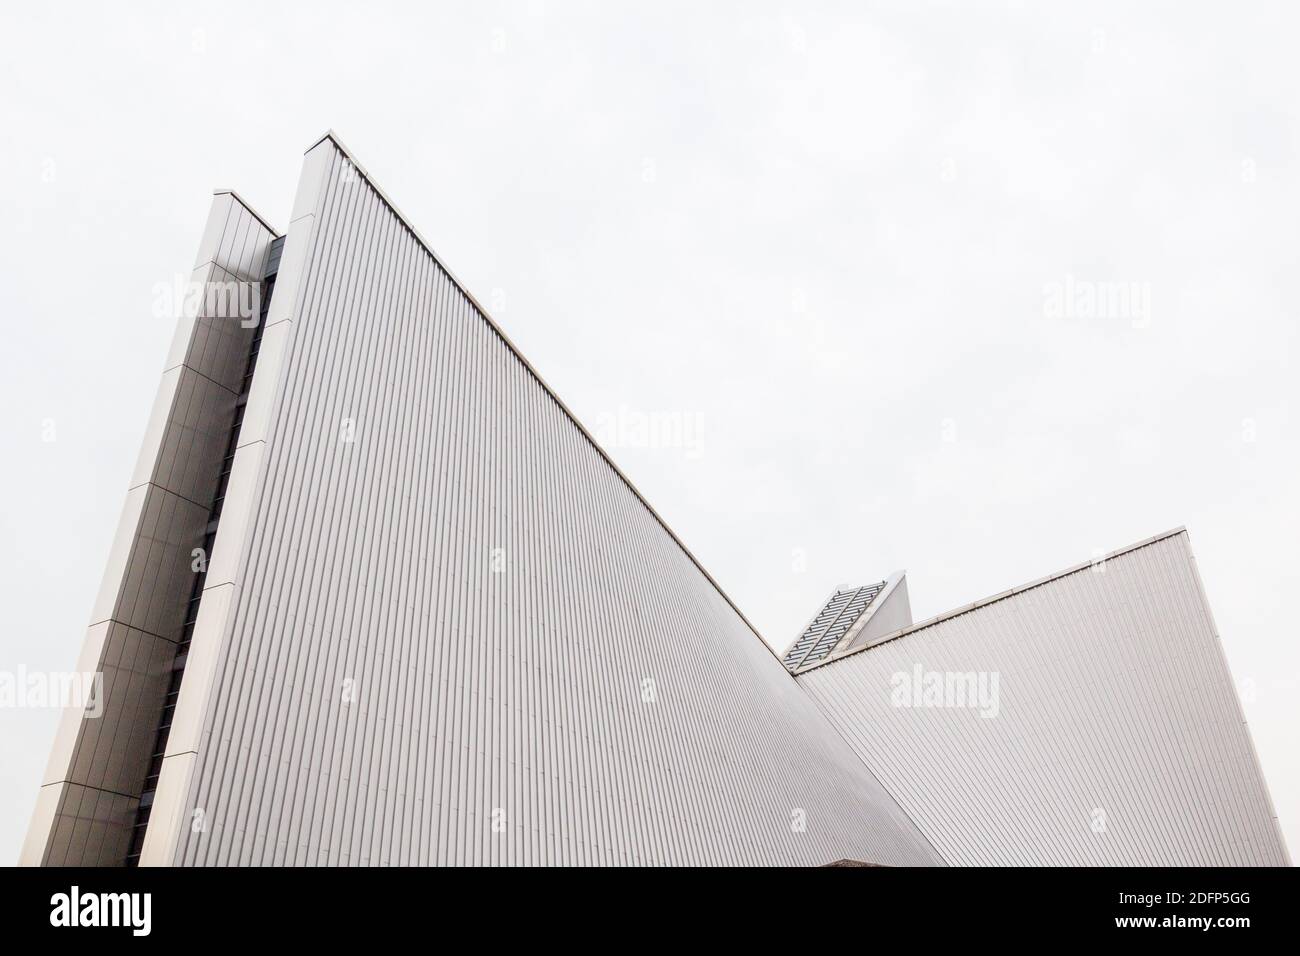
point(1001, 596)
point(496, 328)
point(256, 215)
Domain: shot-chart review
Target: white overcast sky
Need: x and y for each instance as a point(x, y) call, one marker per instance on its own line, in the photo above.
point(822, 235)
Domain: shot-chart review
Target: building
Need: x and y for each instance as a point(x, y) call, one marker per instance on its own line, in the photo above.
point(436, 624)
point(1086, 719)
point(377, 597)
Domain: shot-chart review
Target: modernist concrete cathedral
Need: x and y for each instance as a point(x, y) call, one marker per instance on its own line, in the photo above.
point(377, 597)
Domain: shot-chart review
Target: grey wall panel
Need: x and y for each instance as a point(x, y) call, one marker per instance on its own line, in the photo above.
point(158, 573)
point(218, 344)
point(1118, 737)
point(135, 667)
point(461, 638)
point(189, 461)
point(92, 827)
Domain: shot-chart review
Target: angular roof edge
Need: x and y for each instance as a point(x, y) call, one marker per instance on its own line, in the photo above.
point(993, 599)
point(496, 328)
point(256, 215)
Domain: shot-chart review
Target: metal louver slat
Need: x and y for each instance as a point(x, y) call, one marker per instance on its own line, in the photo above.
point(828, 628)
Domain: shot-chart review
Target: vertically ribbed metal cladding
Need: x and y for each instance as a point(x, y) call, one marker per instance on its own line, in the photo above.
point(457, 635)
point(1113, 734)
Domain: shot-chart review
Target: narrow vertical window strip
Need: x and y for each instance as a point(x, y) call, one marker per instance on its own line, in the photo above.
point(150, 785)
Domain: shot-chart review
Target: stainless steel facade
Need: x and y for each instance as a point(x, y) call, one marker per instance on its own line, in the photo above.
point(1118, 737)
point(439, 627)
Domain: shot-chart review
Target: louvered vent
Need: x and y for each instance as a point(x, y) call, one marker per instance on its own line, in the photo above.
point(831, 624)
